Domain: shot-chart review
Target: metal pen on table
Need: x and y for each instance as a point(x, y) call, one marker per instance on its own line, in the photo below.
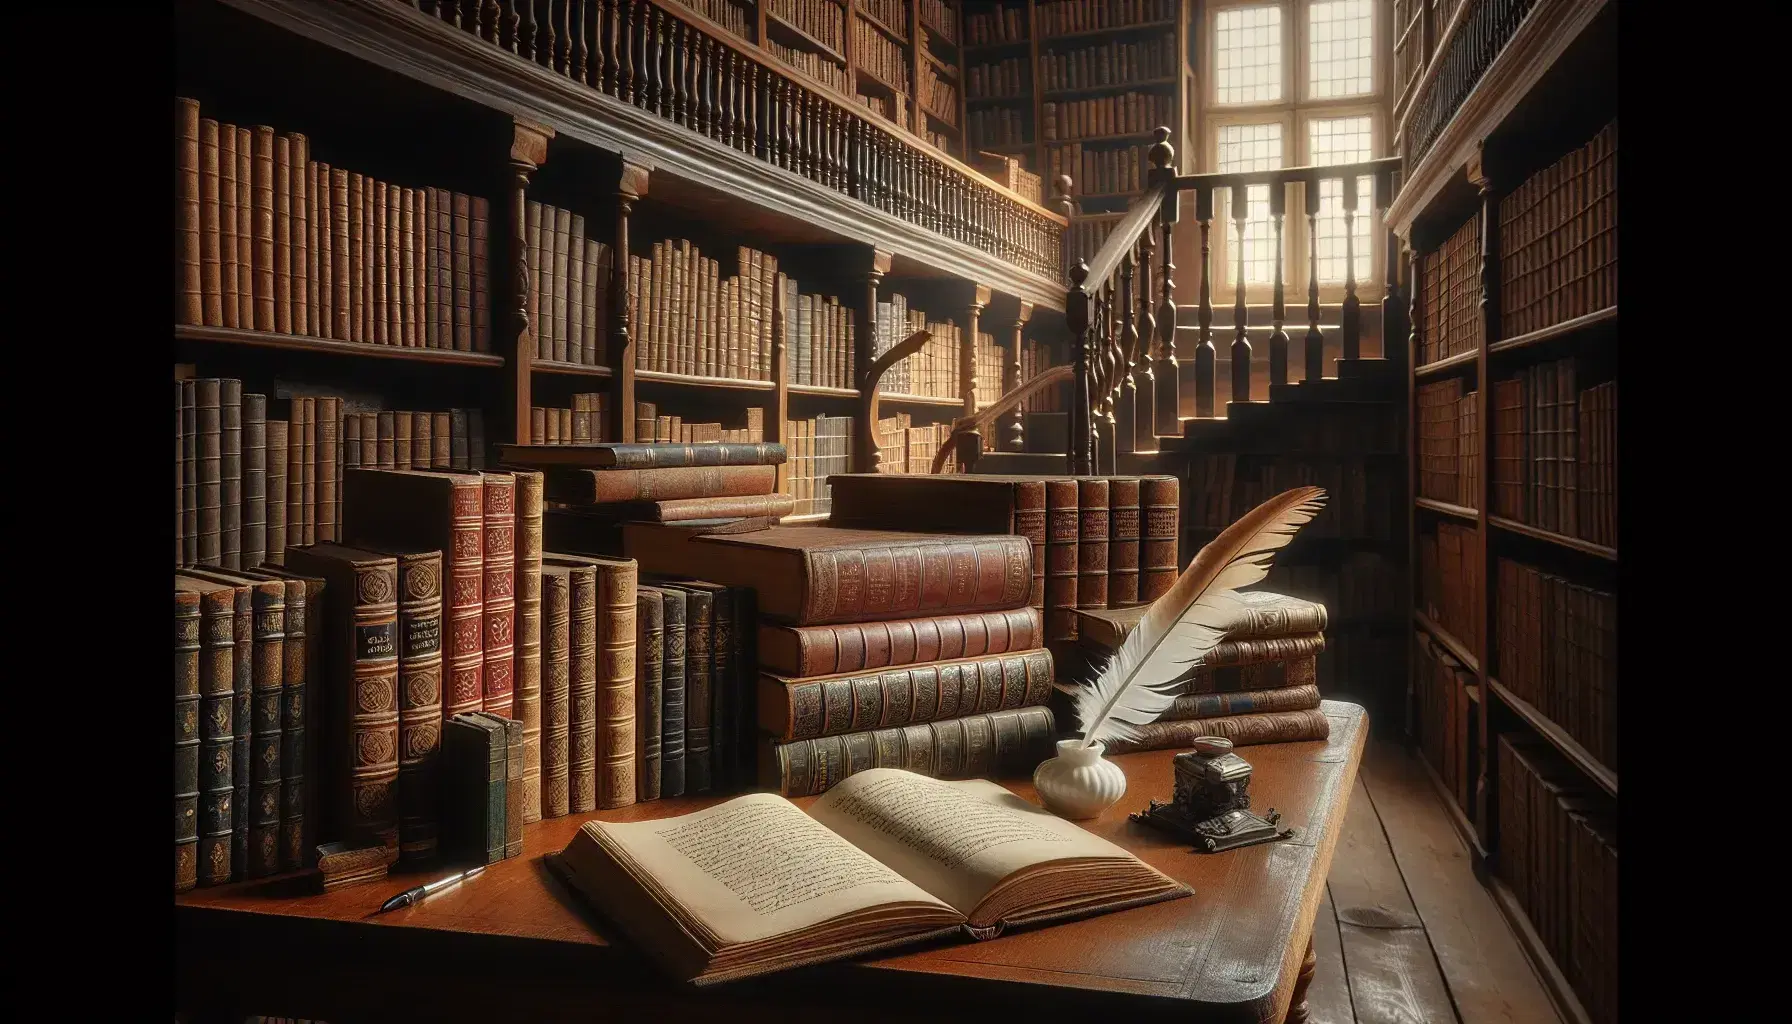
point(413, 896)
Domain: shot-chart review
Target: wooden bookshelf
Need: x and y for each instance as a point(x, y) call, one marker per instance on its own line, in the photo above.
point(1541, 180)
point(360, 349)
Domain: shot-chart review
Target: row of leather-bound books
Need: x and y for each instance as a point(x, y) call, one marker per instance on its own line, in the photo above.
point(268, 239)
point(248, 486)
point(903, 447)
point(1101, 172)
point(1448, 443)
point(1440, 716)
point(1450, 581)
point(1555, 648)
point(1058, 17)
point(1559, 239)
point(1555, 452)
point(1130, 112)
point(1115, 62)
point(1450, 295)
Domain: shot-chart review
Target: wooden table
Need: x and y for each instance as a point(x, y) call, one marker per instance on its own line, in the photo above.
point(516, 944)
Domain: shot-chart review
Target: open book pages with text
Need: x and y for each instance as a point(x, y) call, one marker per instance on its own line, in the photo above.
point(754, 885)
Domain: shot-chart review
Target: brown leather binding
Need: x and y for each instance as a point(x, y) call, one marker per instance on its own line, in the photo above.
point(688, 509)
point(211, 283)
point(974, 746)
point(1062, 530)
point(527, 694)
point(263, 226)
point(282, 170)
point(186, 737)
point(1242, 730)
point(446, 511)
point(1189, 706)
point(461, 240)
point(228, 250)
point(208, 496)
point(1123, 541)
point(500, 594)
point(815, 575)
point(614, 676)
point(279, 442)
point(650, 631)
point(1158, 564)
point(791, 709)
point(359, 753)
point(216, 667)
point(1092, 543)
point(327, 458)
point(230, 473)
point(556, 707)
point(188, 287)
point(482, 326)
point(419, 702)
point(304, 262)
point(597, 487)
point(246, 254)
point(254, 511)
point(823, 650)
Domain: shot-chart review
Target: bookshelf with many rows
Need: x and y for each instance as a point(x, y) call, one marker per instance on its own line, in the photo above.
point(1513, 695)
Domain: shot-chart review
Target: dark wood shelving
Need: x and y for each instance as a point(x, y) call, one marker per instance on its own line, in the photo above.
point(1006, 147)
point(1449, 643)
point(1586, 547)
point(1458, 818)
point(1088, 139)
point(885, 396)
point(301, 343)
point(945, 122)
point(978, 100)
point(1554, 331)
point(867, 76)
point(1442, 366)
point(1090, 33)
point(1567, 1003)
point(878, 23)
point(1459, 511)
point(968, 47)
point(942, 65)
point(1557, 737)
point(569, 369)
point(735, 383)
point(804, 38)
point(1091, 90)
point(819, 391)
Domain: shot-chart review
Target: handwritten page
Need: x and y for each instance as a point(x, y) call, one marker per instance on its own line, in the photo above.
point(954, 839)
point(755, 867)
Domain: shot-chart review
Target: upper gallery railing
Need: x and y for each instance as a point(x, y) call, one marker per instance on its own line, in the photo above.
point(666, 59)
point(1474, 34)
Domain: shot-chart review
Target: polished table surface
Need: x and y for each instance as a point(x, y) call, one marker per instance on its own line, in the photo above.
point(517, 944)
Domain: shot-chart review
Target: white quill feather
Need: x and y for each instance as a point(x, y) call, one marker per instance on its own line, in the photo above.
point(1141, 680)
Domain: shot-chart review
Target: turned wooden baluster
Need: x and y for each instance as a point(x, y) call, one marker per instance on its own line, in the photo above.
point(786, 125)
point(1077, 317)
point(651, 55)
point(1145, 377)
point(1168, 421)
point(1126, 435)
point(555, 53)
point(631, 186)
point(1014, 435)
point(1205, 360)
point(1106, 451)
point(609, 29)
point(1390, 302)
point(449, 11)
point(1353, 309)
point(490, 18)
point(758, 99)
point(1314, 346)
point(1241, 342)
point(677, 65)
point(577, 26)
point(1278, 338)
point(507, 25)
point(627, 30)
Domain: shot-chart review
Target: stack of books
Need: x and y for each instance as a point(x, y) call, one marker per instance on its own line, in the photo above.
point(880, 648)
point(1257, 685)
point(712, 484)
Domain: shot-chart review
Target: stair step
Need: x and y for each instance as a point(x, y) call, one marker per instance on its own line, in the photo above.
point(1028, 463)
point(1369, 368)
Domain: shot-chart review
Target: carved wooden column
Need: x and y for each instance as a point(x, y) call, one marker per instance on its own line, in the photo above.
point(1125, 401)
point(631, 185)
point(864, 447)
point(1352, 315)
point(528, 151)
point(1205, 361)
point(1479, 176)
point(967, 347)
point(1313, 349)
point(1013, 434)
point(1241, 343)
point(1393, 311)
point(1169, 372)
point(1278, 338)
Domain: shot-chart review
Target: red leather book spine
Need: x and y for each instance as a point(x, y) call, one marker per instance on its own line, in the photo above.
point(419, 703)
point(499, 572)
point(1092, 544)
point(1123, 542)
point(1061, 532)
point(466, 601)
point(1158, 565)
point(791, 709)
point(796, 651)
point(954, 574)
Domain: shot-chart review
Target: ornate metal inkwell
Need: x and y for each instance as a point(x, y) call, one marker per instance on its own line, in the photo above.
point(1210, 806)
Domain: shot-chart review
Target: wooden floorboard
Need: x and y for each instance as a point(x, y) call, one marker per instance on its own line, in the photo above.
point(1489, 981)
point(1328, 998)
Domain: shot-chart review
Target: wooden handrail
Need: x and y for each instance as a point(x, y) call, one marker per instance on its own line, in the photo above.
point(986, 417)
point(1284, 175)
point(871, 386)
point(1433, 63)
point(1126, 233)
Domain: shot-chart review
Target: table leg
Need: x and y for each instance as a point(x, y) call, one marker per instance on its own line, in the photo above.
point(1297, 1006)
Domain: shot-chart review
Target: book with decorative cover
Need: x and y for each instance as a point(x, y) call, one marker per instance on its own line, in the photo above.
point(498, 573)
point(819, 575)
point(211, 653)
point(360, 675)
point(650, 631)
point(852, 647)
point(889, 858)
point(978, 745)
point(640, 456)
point(791, 709)
point(556, 689)
point(613, 691)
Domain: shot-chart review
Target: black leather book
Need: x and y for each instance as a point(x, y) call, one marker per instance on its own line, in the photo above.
point(672, 676)
point(242, 675)
point(650, 638)
point(476, 761)
point(746, 673)
point(699, 669)
point(721, 640)
point(513, 782)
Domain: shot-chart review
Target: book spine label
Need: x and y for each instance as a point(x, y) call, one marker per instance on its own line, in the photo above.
point(833, 705)
point(556, 693)
point(499, 594)
point(616, 728)
point(1242, 730)
point(582, 740)
point(419, 702)
point(1158, 566)
point(851, 647)
point(528, 635)
point(997, 744)
point(371, 813)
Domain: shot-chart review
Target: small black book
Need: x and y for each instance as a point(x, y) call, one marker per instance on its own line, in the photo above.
point(476, 765)
point(672, 680)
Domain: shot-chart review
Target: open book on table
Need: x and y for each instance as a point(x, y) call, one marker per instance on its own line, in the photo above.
point(887, 857)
